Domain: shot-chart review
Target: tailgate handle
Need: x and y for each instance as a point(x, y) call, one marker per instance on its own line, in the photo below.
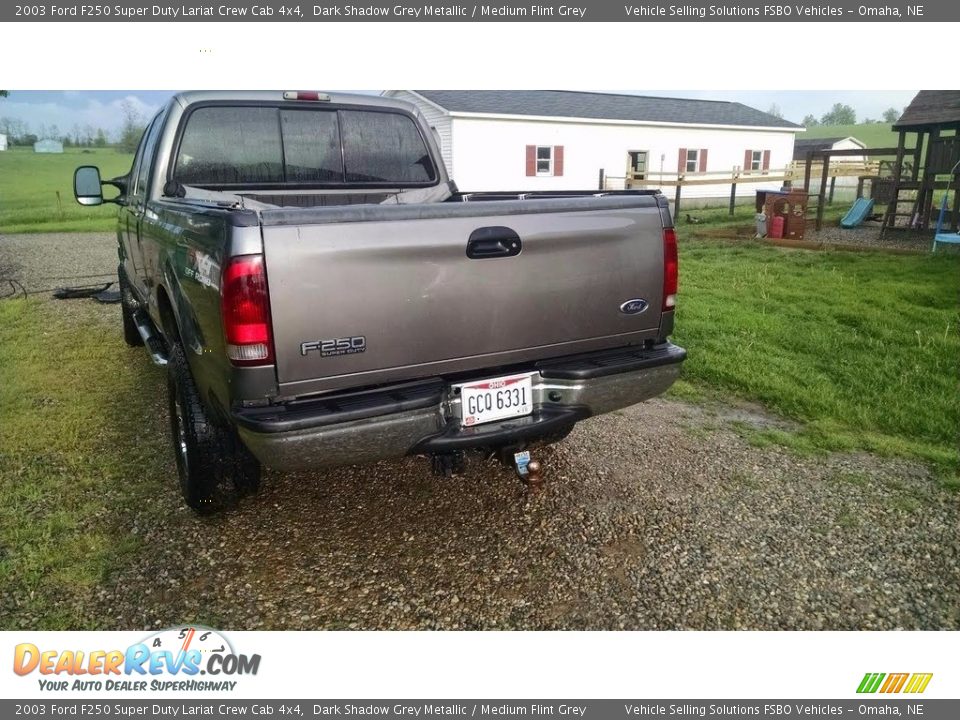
point(493, 242)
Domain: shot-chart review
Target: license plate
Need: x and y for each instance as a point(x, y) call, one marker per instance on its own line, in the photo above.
point(500, 398)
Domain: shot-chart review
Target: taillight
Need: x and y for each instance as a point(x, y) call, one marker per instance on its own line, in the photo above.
point(670, 269)
point(245, 308)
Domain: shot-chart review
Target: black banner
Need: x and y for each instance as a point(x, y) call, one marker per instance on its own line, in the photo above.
point(546, 11)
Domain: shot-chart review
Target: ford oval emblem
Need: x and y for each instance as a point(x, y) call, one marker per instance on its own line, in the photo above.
point(634, 307)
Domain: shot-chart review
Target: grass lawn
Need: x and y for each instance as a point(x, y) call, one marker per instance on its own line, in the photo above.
point(82, 439)
point(29, 183)
point(862, 348)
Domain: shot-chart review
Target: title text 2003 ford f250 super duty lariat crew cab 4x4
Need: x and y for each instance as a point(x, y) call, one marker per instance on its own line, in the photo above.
point(320, 292)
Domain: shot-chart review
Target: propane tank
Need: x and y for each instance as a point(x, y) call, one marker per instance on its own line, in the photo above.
point(776, 227)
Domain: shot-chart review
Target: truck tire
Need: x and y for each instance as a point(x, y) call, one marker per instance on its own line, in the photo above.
point(209, 457)
point(131, 336)
point(199, 446)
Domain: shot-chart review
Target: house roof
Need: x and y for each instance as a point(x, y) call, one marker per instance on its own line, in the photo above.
point(603, 106)
point(930, 108)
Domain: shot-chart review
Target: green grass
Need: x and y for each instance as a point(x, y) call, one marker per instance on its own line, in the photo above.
point(861, 348)
point(29, 183)
point(81, 447)
point(874, 135)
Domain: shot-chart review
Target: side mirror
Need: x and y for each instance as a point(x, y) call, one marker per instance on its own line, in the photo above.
point(86, 185)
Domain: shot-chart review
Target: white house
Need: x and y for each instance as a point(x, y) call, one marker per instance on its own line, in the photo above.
point(561, 140)
point(3, 142)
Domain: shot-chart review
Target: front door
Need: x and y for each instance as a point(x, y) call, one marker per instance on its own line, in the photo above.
point(636, 167)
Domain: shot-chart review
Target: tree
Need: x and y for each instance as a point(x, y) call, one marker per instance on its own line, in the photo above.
point(891, 115)
point(101, 139)
point(775, 111)
point(840, 114)
point(810, 121)
point(4, 93)
point(133, 126)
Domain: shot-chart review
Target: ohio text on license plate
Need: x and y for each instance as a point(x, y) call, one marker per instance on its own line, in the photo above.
point(495, 399)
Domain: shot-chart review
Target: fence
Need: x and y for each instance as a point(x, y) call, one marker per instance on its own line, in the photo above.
point(736, 176)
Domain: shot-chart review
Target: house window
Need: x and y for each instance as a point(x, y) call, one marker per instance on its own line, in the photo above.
point(693, 161)
point(756, 161)
point(544, 160)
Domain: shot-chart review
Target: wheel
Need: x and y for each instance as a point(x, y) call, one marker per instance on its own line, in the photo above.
point(208, 457)
point(131, 336)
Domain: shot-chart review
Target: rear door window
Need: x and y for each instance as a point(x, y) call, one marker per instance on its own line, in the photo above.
point(231, 146)
point(267, 146)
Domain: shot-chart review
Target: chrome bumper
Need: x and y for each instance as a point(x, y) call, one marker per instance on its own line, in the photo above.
point(558, 404)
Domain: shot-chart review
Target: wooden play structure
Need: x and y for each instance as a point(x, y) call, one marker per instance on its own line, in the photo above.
point(933, 117)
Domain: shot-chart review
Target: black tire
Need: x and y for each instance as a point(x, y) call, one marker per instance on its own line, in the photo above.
point(209, 458)
point(131, 335)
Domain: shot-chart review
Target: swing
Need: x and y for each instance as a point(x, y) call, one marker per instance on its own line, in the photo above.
point(940, 236)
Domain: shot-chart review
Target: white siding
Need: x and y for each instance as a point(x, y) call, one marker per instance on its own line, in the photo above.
point(436, 119)
point(490, 154)
point(3, 142)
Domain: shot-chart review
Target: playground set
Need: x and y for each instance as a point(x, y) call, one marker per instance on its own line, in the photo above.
point(916, 174)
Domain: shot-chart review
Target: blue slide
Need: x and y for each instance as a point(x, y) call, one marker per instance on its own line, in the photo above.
point(860, 211)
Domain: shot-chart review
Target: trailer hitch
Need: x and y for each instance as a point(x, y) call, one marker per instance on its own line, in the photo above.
point(527, 469)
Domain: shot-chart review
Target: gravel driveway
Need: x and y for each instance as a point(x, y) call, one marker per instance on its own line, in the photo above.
point(660, 516)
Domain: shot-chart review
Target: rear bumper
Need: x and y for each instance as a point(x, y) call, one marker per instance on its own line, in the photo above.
point(417, 418)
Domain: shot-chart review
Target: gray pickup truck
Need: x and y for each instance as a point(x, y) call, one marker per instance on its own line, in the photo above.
point(320, 292)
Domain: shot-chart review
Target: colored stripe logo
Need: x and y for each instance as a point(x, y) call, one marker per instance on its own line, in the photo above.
point(894, 682)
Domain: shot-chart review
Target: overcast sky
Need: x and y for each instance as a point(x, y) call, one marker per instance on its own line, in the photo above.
point(102, 108)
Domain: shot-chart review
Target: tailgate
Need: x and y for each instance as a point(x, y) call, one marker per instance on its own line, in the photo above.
point(400, 296)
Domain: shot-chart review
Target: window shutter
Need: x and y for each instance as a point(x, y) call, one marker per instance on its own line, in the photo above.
point(558, 160)
point(747, 160)
point(703, 160)
point(682, 161)
point(531, 160)
point(766, 159)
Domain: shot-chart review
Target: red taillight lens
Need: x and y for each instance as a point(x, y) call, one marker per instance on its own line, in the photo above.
point(245, 308)
point(670, 269)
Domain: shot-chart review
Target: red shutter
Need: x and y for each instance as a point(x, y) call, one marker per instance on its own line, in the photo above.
point(682, 161)
point(531, 160)
point(558, 160)
point(766, 159)
point(747, 160)
point(703, 160)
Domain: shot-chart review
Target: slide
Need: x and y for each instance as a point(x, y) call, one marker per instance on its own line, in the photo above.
point(858, 213)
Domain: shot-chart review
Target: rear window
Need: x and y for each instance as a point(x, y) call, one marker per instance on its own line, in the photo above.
point(226, 146)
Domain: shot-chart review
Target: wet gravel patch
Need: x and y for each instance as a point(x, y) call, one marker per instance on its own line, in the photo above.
point(867, 236)
point(657, 517)
point(44, 262)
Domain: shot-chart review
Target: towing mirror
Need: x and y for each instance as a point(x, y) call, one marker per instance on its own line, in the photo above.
point(86, 185)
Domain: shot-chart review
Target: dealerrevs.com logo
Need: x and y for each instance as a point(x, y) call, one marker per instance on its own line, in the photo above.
point(179, 659)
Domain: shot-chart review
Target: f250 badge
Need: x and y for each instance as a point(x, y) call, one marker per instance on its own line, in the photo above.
point(335, 346)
